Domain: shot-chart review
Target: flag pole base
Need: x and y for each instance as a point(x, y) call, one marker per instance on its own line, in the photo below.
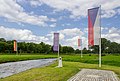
point(60, 62)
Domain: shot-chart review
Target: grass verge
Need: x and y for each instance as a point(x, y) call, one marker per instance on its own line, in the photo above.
point(14, 58)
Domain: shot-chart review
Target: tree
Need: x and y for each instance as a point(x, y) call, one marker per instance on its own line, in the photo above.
point(2, 46)
point(85, 51)
point(107, 47)
point(2, 40)
point(77, 51)
point(7, 47)
point(104, 44)
point(113, 48)
point(67, 49)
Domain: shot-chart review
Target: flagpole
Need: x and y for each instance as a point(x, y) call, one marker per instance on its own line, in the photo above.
point(100, 40)
point(81, 49)
point(58, 51)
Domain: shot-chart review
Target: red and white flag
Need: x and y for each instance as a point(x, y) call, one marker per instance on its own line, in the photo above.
point(15, 45)
point(79, 42)
point(94, 26)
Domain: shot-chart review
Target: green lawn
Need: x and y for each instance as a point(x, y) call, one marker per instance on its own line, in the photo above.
point(72, 64)
point(93, 59)
point(14, 58)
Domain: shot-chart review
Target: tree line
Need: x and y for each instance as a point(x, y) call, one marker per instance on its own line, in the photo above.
point(25, 47)
point(107, 47)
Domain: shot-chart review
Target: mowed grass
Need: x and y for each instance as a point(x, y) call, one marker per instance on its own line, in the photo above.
point(93, 59)
point(14, 58)
point(51, 73)
point(72, 64)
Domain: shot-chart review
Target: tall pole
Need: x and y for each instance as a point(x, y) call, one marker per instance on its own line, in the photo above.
point(58, 48)
point(58, 51)
point(81, 49)
point(100, 40)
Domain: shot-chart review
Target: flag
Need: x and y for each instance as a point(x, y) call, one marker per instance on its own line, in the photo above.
point(79, 42)
point(56, 42)
point(15, 45)
point(93, 26)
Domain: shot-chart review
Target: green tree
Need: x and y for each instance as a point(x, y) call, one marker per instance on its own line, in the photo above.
point(85, 51)
point(77, 51)
point(67, 49)
point(2, 40)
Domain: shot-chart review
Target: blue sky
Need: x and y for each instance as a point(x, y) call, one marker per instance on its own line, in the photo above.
point(37, 20)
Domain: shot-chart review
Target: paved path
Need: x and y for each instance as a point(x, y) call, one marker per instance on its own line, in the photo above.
point(94, 75)
point(8, 69)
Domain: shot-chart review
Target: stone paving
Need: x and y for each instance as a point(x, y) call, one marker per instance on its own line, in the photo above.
point(7, 69)
point(94, 75)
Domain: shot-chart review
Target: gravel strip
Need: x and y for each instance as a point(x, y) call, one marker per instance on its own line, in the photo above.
point(11, 68)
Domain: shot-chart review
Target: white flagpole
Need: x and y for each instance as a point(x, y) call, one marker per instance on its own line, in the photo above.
point(58, 48)
point(100, 39)
point(58, 51)
point(81, 48)
point(59, 58)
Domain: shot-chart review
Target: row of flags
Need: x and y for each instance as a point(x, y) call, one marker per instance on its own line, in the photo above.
point(55, 45)
point(56, 42)
point(94, 32)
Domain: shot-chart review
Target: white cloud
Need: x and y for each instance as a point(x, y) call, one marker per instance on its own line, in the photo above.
point(113, 34)
point(51, 36)
point(74, 42)
point(14, 12)
point(110, 5)
point(72, 32)
point(53, 25)
point(20, 35)
point(53, 20)
point(86, 30)
point(78, 8)
point(108, 13)
point(35, 3)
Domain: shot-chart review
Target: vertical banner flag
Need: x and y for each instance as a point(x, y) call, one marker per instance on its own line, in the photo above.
point(56, 42)
point(79, 42)
point(15, 45)
point(93, 26)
